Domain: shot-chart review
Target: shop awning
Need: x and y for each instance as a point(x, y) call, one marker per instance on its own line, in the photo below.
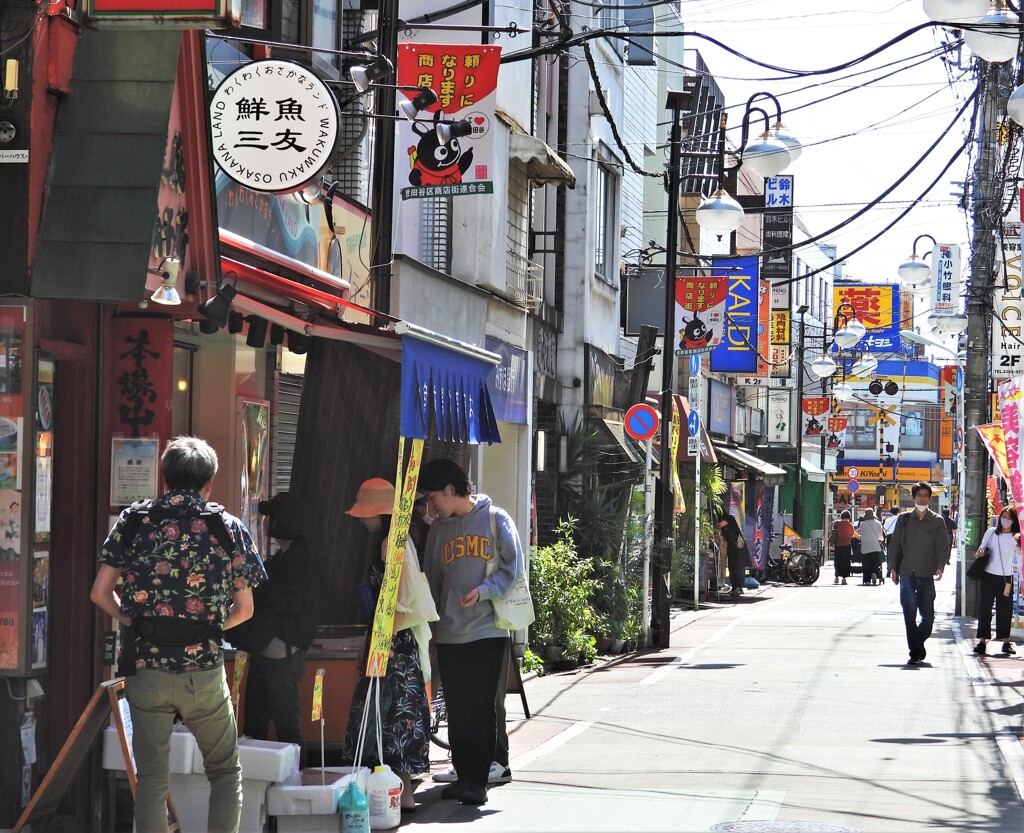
point(632, 449)
point(543, 165)
point(449, 380)
point(812, 471)
point(773, 475)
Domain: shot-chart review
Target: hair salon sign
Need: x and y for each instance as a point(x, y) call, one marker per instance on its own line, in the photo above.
point(274, 125)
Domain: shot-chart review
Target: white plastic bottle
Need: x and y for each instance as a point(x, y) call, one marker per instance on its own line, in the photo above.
point(353, 810)
point(384, 794)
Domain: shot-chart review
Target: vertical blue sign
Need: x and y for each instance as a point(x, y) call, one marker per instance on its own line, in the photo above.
point(737, 351)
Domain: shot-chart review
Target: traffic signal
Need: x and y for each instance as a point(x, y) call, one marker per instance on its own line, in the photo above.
point(890, 388)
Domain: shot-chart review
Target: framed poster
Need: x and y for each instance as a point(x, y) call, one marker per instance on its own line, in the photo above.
point(134, 466)
point(255, 473)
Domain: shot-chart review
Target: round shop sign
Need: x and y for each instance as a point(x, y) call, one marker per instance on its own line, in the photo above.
point(274, 125)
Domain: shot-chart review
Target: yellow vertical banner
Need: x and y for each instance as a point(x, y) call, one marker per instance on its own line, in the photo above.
point(677, 487)
point(382, 628)
point(318, 694)
point(241, 657)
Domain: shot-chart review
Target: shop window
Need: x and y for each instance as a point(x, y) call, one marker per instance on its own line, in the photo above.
point(435, 233)
point(606, 222)
point(860, 434)
point(181, 396)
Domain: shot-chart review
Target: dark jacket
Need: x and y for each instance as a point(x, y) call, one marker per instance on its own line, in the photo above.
point(281, 605)
point(919, 545)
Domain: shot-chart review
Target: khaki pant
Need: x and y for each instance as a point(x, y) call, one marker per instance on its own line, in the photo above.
point(204, 703)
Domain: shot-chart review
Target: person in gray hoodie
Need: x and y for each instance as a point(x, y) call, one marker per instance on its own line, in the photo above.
point(918, 553)
point(473, 555)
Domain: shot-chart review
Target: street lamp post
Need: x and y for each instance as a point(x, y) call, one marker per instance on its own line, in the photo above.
point(800, 421)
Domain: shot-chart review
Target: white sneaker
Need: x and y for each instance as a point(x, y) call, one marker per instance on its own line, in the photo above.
point(449, 776)
point(499, 774)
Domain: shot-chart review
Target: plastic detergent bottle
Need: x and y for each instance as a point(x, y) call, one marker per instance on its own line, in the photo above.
point(384, 794)
point(353, 810)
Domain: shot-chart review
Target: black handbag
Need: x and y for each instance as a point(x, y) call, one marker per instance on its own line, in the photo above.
point(977, 568)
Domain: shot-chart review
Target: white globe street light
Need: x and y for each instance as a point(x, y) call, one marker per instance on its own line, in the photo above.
point(864, 367)
point(843, 392)
point(765, 156)
point(1015, 106)
point(948, 325)
point(955, 11)
point(823, 366)
point(792, 143)
point(914, 272)
point(720, 214)
point(996, 38)
point(850, 333)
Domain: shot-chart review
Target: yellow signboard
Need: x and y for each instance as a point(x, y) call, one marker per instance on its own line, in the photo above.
point(382, 628)
point(318, 694)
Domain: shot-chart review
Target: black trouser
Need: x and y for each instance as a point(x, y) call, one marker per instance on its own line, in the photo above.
point(871, 563)
point(500, 716)
point(272, 694)
point(469, 674)
point(739, 561)
point(991, 589)
point(842, 556)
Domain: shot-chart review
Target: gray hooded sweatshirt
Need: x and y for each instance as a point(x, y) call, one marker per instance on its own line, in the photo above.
point(457, 553)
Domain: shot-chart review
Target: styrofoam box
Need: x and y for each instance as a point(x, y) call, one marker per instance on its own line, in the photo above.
point(312, 792)
point(191, 794)
point(288, 824)
point(182, 748)
point(261, 760)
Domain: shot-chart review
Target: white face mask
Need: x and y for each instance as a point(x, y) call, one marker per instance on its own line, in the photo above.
point(1005, 523)
point(920, 508)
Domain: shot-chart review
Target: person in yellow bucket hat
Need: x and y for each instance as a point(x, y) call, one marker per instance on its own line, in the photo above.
point(404, 708)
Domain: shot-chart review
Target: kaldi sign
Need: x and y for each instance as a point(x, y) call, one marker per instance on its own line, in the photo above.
point(164, 14)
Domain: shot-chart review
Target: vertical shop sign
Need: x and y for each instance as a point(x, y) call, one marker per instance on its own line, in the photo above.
point(464, 78)
point(814, 407)
point(1008, 308)
point(780, 416)
point(142, 367)
point(946, 268)
point(1011, 403)
point(836, 432)
point(737, 353)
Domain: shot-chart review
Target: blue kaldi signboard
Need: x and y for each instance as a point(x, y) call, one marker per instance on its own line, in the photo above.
point(736, 351)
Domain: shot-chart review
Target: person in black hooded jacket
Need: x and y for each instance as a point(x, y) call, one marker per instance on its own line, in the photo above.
point(281, 629)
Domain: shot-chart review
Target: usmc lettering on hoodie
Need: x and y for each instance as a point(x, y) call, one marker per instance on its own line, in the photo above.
point(468, 546)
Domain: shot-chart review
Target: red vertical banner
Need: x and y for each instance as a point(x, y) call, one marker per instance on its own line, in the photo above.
point(464, 78)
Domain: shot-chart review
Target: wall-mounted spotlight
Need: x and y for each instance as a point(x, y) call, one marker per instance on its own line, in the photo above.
point(276, 334)
point(365, 76)
point(257, 335)
point(453, 130)
point(167, 292)
point(216, 309)
point(236, 321)
point(424, 99)
point(298, 343)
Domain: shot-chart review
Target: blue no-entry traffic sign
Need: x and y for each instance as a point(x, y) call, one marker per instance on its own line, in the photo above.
point(641, 422)
point(693, 423)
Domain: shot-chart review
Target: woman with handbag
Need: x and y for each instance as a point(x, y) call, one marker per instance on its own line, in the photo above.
point(404, 724)
point(996, 583)
point(844, 533)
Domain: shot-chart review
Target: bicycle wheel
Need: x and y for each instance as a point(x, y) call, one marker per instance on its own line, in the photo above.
point(799, 567)
point(439, 720)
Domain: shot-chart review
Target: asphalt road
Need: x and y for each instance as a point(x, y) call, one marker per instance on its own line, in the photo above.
point(790, 710)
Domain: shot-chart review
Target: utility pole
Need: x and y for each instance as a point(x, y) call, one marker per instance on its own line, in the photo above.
point(986, 199)
point(383, 175)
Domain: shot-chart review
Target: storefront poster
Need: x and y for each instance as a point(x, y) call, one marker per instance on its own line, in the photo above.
point(10, 592)
point(464, 78)
point(38, 646)
point(10, 525)
point(255, 474)
point(41, 579)
point(134, 464)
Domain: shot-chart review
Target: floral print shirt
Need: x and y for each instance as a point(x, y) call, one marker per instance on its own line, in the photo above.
point(176, 567)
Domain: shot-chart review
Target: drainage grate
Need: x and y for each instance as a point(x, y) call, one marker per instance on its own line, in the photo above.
point(782, 827)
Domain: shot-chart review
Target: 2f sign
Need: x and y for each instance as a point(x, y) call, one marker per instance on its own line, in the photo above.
point(1008, 311)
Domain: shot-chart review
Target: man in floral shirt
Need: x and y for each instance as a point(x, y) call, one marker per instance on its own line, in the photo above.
point(182, 585)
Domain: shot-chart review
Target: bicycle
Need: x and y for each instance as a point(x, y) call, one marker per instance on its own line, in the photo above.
point(438, 717)
point(795, 566)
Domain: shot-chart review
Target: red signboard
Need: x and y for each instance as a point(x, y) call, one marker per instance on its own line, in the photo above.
point(175, 14)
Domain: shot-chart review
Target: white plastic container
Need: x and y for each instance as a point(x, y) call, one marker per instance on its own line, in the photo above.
point(261, 760)
point(183, 747)
point(384, 794)
point(312, 792)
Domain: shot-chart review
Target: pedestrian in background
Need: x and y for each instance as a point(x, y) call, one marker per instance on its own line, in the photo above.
point(918, 554)
point(872, 537)
point(889, 524)
point(996, 585)
point(736, 552)
point(404, 707)
point(468, 534)
point(843, 533)
point(188, 570)
point(950, 526)
point(280, 631)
